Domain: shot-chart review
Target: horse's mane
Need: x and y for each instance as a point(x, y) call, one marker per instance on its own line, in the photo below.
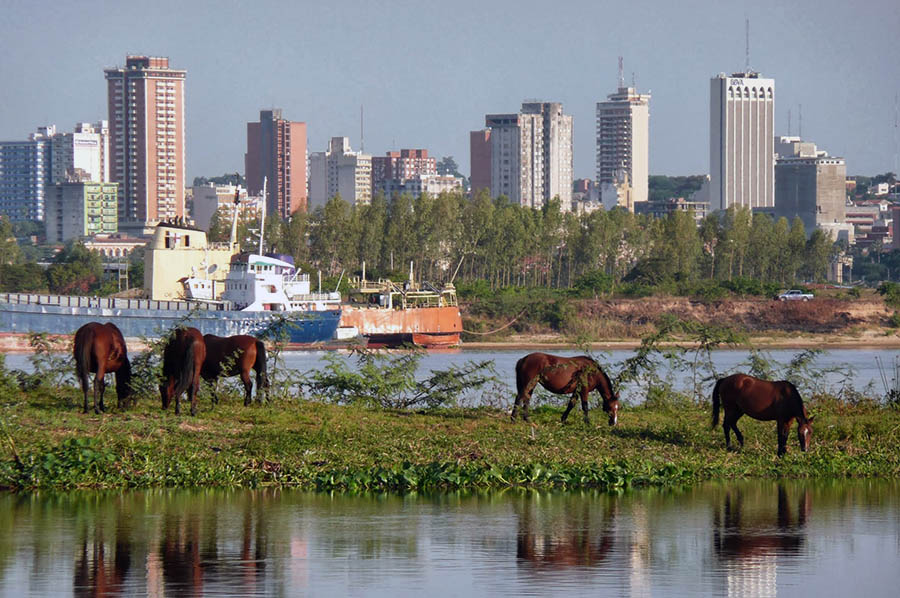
point(796, 398)
point(609, 383)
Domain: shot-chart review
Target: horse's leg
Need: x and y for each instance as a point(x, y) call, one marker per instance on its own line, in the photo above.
point(102, 383)
point(215, 391)
point(783, 429)
point(248, 387)
point(569, 406)
point(86, 388)
point(97, 382)
point(584, 405)
point(192, 393)
point(523, 398)
point(727, 424)
point(737, 432)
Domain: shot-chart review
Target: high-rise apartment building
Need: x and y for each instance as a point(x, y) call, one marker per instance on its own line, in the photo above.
point(623, 141)
point(146, 127)
point(25, 168)
point(340, 170)
point(276, 151)
point(525, 156)
point(557, 143)
point(399, 166)
point(86, 149)
point(480, 160)
point(80, 208)
point(809, 184)
point(517, 157)
point(741, 141)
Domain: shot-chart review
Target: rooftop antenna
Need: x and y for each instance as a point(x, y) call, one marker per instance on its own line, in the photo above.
point(621, 73)
point(362, 138)
point(747, 49)
point(632, 80)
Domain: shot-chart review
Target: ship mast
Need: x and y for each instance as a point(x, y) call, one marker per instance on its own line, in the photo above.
point(262, 219)
point(234, 215)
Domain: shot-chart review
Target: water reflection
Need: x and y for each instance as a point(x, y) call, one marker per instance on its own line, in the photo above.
point(753, 534)
point(577, 534)
point(103, 564)
point(759, 538)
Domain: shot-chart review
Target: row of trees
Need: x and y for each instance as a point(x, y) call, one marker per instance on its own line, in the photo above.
point(450, 237)
point(75, 270)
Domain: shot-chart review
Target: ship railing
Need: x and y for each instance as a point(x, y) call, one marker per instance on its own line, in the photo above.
point(107, 302)
point(306, 297)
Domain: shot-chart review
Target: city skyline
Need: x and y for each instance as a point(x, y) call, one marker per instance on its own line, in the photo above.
point(464, 66)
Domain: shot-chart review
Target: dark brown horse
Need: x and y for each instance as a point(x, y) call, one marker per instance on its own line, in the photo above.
point(577, 376)
point(236, 356)
point(740, 394)
point(182, 363)
point(100, 349)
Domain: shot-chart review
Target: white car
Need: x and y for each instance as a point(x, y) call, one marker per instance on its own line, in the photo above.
point(794, 295)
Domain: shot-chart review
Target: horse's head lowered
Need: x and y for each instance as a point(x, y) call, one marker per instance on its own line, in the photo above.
point(611, 407)
point(124, 389)
point(804, 422)
point(804, 432)
point(610, 398)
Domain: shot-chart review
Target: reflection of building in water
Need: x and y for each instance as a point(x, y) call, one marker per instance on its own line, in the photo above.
point(749, 548)
point(756, 577)
point(639, 552)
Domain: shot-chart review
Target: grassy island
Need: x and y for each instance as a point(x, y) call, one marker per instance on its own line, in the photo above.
point(48, 443)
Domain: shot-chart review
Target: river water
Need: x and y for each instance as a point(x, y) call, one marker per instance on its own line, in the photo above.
point(762, 538)
point(866, 370)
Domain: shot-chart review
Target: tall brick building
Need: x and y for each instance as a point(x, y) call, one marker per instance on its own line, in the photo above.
point(146, 129)
point(276, 151)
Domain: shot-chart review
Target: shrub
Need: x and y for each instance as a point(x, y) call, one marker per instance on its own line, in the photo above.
point(891, 293)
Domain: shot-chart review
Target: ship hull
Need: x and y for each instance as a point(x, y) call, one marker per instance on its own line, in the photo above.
point(56, 314)
point(423, 326)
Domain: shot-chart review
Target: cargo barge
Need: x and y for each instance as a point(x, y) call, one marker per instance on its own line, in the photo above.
point(387, 314)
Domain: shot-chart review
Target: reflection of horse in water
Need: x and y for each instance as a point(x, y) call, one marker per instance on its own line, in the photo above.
point(579, 538)
point(182, 562)
point(737, 538)
point(95, 574)
point(194, 561)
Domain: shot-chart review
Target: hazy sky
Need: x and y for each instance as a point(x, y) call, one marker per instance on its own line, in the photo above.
point(428, 72)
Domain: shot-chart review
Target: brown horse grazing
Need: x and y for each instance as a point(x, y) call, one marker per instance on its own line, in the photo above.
point(236, 356)
point(762, 400)
point(564, 375)
point(100, 349)
point(182, 362)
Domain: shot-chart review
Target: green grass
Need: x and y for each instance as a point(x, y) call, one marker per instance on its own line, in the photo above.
point(321, 446)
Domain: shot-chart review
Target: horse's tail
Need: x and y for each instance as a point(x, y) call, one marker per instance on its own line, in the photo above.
point(262, 378)
point(186, 374)
point(715, 402)
point(521, 383)
point(84, 342)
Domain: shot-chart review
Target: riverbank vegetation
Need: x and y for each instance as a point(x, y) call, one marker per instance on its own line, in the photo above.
point(334, 429)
